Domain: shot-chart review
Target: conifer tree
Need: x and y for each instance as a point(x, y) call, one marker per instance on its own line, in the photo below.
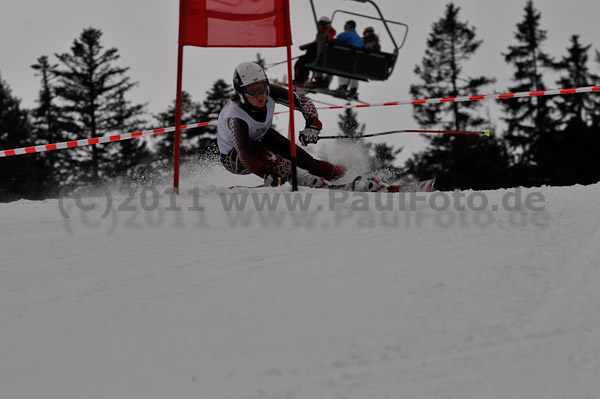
point(20, 175)
point(190, 112)
point(458, 161)
point(90, 86)
point(450, 44)
point(577, 150)
point(531, 128)
point(596, 115)
point(349, 125)
point(48, 120)
point(130, 157)
point(576, 110)
point(205, 138)
point(51, 125)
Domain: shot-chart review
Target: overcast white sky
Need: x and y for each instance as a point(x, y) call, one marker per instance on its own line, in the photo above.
point(145, 32)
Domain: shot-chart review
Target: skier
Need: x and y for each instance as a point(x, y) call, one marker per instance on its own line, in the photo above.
point(247, 142)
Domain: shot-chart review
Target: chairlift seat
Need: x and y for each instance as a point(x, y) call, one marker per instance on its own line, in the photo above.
point(352, 62)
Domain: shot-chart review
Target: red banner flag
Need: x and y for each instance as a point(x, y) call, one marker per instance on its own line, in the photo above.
point(233, 23)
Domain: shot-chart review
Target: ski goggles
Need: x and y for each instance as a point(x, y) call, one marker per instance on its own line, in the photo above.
point(255, 89)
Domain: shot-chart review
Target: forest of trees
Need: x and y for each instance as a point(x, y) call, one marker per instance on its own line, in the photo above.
point(545, 141)
point(83, 94)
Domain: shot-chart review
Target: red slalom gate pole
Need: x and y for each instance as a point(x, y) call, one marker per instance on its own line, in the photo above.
point(176, 148)
point(292, 132)
point(177, 142)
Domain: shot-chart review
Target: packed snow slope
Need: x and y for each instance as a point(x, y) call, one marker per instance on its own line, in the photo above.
point(344, 299)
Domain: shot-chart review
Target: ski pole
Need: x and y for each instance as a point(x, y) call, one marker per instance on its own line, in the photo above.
point(360, 136)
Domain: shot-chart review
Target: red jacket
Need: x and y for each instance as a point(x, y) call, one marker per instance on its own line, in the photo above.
point(330, 33)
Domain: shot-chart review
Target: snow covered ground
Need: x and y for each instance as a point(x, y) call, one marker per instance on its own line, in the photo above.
point(340, 300)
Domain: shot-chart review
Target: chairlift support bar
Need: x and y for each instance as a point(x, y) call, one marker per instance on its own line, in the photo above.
point(312, 5)
point(382, 20)
point(385, 21)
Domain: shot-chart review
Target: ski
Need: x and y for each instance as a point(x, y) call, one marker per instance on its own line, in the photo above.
point(424, 186)
point(238, 186)
point(362, 184)
point(372, 184)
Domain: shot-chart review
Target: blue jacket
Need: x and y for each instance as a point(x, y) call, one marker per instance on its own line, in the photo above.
point(350, 37)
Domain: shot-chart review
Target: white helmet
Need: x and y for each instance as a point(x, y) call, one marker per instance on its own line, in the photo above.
point(324, 20)
point(246, 74)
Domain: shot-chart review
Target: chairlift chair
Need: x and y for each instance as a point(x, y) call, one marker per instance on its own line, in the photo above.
point(358, 63)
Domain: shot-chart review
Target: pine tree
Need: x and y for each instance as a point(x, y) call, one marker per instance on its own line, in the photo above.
point(531, 128)
point(49, 123)
point(458, 161)
point(576, 110)
point(577, 154)
point(215, 100)
point(190, 112)
point(50, 126)
point(130, 157)
point(596, 115)
point(349, 125)
point(450, 44)
point(90, 85)
point(20, 175)
point(196, 141)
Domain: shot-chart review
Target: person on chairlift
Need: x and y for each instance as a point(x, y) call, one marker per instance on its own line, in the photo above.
point(349, 87)
point(325, 32)
point(371, 39)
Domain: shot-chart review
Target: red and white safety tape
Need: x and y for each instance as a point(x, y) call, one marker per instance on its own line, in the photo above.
point(470, 98)
point(128, 136)
point(96, 140)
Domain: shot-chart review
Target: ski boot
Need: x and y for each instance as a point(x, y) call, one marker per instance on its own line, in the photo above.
point(312, 181)
point(366, 184)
